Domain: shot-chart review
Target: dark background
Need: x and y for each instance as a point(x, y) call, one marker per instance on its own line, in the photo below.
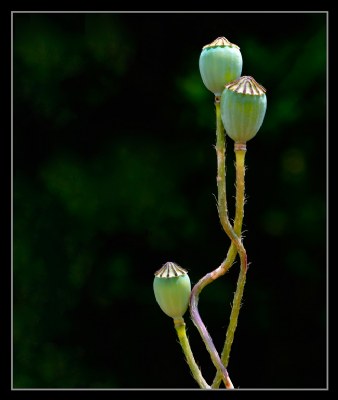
point(114, 173)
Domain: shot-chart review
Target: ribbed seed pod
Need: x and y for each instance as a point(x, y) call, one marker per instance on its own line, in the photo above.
point(220, 62)
point(172, 289)
point(243, 107)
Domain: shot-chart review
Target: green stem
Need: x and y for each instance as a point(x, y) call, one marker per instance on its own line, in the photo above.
point(240, 150)
point(183, 338)
point(233, 233)
point(222, 205)
point(221, 168)
point(197, 320)
point(222, 202)
point(210, 277)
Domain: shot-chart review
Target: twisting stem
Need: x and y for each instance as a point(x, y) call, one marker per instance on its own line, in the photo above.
point(240, 150)
point(196, 318)
point(222, 210)
point(210, 277)
point(182, 336)
point(222, 203)
point(233, 234)
point(240, 198)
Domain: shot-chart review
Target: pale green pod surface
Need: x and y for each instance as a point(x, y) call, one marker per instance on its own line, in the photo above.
point(243, 107)
point(172, 289)
point(220, 62)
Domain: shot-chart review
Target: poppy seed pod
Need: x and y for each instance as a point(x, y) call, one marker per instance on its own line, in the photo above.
point(220, 62)
point(172, 289)
point(243, 107)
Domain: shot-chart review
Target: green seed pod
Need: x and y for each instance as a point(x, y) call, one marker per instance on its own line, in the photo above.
point(172, 289)
point(243, 107)
point(220, 62)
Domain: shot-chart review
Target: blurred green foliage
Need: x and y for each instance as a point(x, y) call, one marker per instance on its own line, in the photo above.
point(114, 174)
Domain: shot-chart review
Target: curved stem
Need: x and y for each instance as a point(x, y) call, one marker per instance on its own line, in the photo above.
point(222, 206)
point(222, 202)
point(240, 151)
point(183, 338)
point(210, 277)
point(197, 320)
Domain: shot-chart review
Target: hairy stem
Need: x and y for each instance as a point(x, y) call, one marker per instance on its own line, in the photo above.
point(183, 338)
point(221, 185)
point(240, 150)
point(196, 318)
point(210, 277)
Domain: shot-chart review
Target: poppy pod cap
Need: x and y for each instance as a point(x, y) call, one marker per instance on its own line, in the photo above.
point(243, 106)
point(172, 288)
point(220, 62)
